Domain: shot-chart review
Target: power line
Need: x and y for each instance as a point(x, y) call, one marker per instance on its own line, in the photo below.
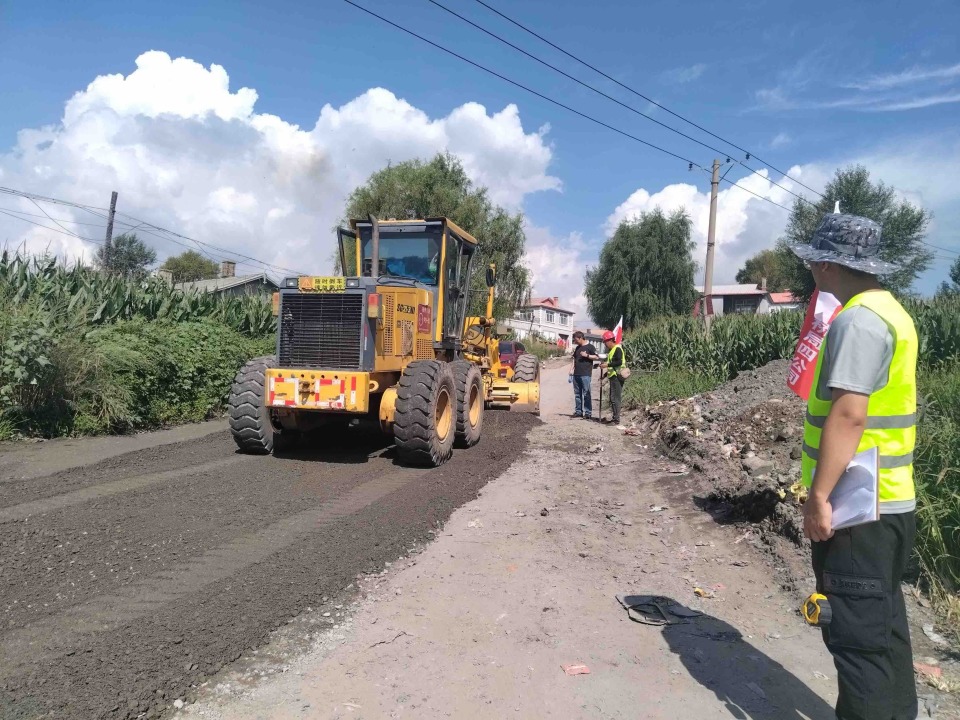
point(519, 85)
point(610, 97)
point(691, 164)
point(143, 226)
point(747, 153)
point(57, 220)
point(53, 229)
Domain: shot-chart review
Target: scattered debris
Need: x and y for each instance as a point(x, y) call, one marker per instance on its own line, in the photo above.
point(544, 512)
point(934, 635)
point(757, 689)
point(594, 449)
point(576, 669)
point(820, 675)
point(656, 610)
point(475, 524)
point(700, 592)
point(657, 508)
point(930, 671)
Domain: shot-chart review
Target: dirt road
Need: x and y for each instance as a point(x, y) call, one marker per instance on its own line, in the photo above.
point(133, 569)
point(523, 581)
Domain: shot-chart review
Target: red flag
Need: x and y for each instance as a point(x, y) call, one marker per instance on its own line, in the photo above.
point(821, 311)
point(618, 331)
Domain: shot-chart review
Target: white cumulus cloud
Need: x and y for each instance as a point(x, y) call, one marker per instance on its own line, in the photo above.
point(745, 223)
point(186, 152)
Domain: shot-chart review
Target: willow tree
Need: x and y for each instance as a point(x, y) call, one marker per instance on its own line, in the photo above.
point(441, 187)
point(646, 270)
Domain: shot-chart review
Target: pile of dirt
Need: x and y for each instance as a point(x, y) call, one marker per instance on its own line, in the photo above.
point(744, 440)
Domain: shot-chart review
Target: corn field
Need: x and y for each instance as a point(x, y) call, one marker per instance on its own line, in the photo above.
point(679, 350)
point(92, 298)
point(746, 342)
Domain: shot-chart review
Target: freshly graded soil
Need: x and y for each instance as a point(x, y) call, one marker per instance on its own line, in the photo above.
point(128, 581)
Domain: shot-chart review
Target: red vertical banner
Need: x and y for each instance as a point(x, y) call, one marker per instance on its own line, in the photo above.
point(821, 311)
point(618, 331)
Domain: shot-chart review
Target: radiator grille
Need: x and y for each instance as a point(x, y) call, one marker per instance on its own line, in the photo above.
point(322, 331)
point(389, 307)
point(425, 350)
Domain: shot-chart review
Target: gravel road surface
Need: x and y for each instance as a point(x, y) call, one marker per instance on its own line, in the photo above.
point(133, 571)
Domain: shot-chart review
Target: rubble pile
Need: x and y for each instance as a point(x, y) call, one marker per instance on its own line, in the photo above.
point(744, 438)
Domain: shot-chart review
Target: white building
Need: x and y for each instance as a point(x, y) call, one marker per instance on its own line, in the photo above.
point(745, 299)
point(542, 318)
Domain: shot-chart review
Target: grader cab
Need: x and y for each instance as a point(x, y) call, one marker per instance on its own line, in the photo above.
point(390, 341)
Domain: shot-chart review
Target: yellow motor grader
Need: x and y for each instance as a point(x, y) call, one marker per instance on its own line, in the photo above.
point(388, 341)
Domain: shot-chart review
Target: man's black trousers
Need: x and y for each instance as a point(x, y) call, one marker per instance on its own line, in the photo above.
point(859, 569)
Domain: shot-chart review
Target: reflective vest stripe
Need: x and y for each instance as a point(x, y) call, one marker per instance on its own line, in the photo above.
point(879, 422)
point(611, 368)
point(884, 461)
point(891, 410)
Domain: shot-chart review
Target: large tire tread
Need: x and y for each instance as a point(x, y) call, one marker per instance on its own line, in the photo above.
point(526, 369)
point(249, 417)
point(467, 375)
point(414, 426)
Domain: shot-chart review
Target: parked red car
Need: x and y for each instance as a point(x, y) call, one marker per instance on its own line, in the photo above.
point(510, 350)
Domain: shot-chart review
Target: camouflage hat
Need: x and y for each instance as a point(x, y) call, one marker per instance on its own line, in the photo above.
point(848, 240)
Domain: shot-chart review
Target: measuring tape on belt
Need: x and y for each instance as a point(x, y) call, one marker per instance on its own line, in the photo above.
point(816, 610)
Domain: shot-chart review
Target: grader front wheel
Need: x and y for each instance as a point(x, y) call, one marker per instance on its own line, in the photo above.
point(249, 418)
point(527, 368)
point(425, 419)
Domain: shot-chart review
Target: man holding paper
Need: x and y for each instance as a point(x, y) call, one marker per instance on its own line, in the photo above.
point(862, 406)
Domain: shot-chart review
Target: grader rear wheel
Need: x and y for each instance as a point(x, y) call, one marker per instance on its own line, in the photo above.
point(425, 419)
point(470, 403)
point(526, 369)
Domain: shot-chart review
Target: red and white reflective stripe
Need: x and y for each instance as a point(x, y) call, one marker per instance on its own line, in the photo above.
point(272, 395)
point(353, 390)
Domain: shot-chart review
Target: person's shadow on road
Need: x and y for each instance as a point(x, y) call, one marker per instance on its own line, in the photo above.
point(750, 683)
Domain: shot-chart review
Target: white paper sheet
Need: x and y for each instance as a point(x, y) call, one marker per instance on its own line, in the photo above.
point(856, 498)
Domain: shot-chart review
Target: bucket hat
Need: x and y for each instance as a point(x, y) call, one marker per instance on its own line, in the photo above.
point(848, 240)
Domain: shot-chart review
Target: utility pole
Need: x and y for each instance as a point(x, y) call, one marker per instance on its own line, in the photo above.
point(711, 242)
point(106, 246)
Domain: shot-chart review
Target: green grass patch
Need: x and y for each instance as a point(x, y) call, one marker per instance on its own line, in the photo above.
point(646, 388)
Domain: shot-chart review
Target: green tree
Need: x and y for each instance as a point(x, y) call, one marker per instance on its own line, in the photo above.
point(952, 287)
point(441, 187)
point(645, 271)
point(765, 264)
point(129, 256)
point(190, 266)
point(904, 227)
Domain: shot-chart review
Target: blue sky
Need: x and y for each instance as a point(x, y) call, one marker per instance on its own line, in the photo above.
point(809, 85)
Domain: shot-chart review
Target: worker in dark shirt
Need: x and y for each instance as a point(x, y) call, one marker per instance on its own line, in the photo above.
point(581, 374)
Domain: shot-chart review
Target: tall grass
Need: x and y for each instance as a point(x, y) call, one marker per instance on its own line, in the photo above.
point(82, 352)
point(685, 358)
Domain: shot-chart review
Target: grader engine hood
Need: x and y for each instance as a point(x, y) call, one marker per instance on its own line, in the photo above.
point(324, 323)
point(354, 324)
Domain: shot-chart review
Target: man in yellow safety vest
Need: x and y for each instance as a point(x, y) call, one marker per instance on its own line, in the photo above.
point(864, 395)
point(615, 362)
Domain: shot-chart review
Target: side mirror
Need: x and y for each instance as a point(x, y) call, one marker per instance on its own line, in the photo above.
point(491, 277)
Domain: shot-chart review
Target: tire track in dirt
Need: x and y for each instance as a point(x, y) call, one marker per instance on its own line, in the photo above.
point(57, 635)
point(137, 482)
point(235, 551)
